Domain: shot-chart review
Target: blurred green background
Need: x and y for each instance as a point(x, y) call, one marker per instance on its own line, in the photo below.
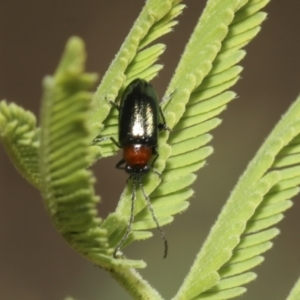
point(35, 262)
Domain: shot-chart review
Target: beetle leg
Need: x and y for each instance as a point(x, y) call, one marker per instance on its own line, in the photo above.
point(153, 162)
point(105, 138)
point(113, 104)
point(163, 125)
point(131, 219)
point(115, 142)
point(150, 207)
point(120, 163)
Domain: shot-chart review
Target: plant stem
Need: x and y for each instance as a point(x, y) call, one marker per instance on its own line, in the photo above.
point(132, 281)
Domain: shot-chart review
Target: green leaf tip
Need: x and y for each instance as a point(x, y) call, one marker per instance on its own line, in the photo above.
point(18, 129)
point(295, 292)
point(73, 57)
point(20, 138)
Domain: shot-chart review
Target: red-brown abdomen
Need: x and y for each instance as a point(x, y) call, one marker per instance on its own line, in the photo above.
point(137, 155)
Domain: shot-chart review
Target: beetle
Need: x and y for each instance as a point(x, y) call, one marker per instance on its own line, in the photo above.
point(140, 120)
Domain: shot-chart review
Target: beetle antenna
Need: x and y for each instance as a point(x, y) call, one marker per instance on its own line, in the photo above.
point(133, 198)
point(150, 207)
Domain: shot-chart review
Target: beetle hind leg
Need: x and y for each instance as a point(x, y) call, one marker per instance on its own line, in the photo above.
point(153, 162)
point(120, 163)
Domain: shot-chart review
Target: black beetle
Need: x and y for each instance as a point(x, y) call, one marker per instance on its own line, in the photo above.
point(139, 124)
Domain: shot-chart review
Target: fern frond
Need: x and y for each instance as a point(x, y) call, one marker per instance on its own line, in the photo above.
point(207, 96)
point(282, 150)
point(132, 61)
point(19, 136)
point(66, 184)
point(244, 229)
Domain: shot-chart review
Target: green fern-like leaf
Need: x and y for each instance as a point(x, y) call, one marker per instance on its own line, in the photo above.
point(198, 92)
point(245, 226)
point(66, 184)
point(255, 206)
point(64, 135)
point(207, 96)
point(19, 135)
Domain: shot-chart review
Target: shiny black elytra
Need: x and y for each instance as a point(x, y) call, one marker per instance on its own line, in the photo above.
point(140, 120)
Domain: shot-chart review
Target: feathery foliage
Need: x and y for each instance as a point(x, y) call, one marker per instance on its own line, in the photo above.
point(20, 137)
point(244, 229)
point(66, 184)
point(55, 158)
point(206, 91)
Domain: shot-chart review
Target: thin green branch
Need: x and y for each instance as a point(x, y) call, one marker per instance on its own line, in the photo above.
point(137, 287)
